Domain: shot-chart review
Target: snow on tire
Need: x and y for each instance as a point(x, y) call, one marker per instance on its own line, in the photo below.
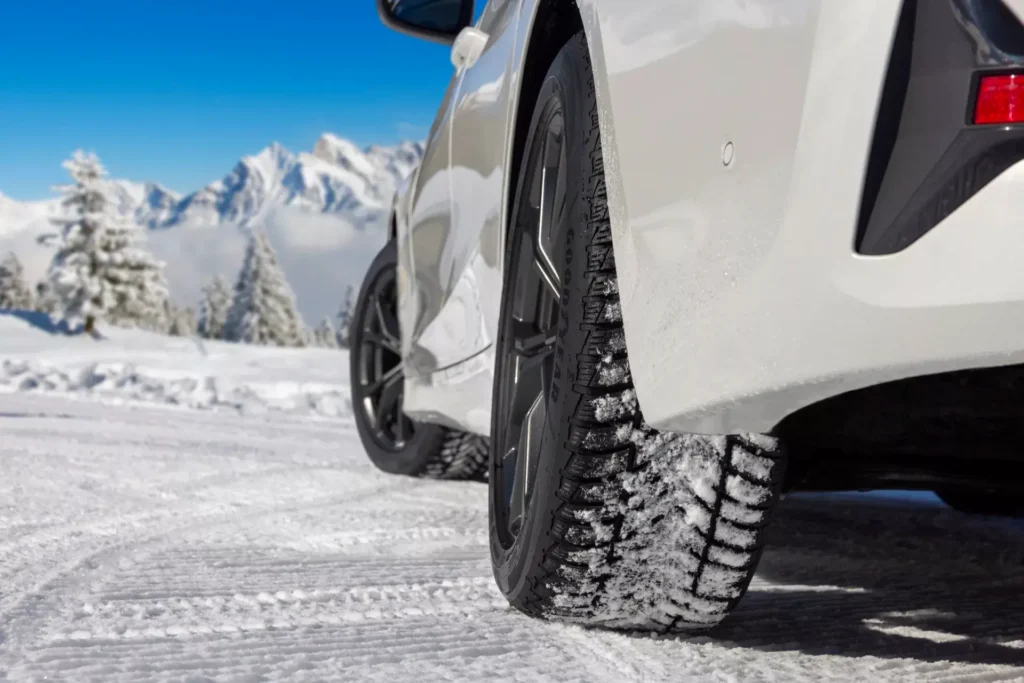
point(461, 456)
point(625, 526)
point(669, 539)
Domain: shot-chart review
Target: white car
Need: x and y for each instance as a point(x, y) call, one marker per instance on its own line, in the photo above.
point(664, 260)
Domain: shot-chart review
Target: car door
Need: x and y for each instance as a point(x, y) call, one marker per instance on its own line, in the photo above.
point(457, 251)
point(427, 226)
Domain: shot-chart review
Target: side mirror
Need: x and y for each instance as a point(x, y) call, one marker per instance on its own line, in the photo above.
point(436, 20)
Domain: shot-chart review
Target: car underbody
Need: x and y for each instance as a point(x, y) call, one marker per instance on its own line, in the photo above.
point(958, 429)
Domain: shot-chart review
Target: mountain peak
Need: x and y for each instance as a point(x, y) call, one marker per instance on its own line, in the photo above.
point(335, 150)
point(337, 178)
point(270, 159)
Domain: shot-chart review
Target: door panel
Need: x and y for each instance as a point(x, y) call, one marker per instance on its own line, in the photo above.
point(427, 226)
point(457, 252)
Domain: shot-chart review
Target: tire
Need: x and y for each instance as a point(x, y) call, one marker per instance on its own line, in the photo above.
point(419, 449)
point(972, 502)
point(618, 526)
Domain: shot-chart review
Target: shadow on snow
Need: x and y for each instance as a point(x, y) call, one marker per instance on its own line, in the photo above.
point(868, 576)
point(41, 321)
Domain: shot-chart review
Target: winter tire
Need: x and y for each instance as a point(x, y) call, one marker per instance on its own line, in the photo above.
point(395, 443)
point(595, 518)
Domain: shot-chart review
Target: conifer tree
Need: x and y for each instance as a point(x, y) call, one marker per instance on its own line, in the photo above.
point(14, 293)
point(263, 309)
point(213, 311)
point(344, 333)
point(100, 270)
point(181, 322)
point(44, 300)
point(325, 335)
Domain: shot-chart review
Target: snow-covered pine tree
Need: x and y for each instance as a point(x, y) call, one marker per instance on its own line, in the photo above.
point(181, 321)
point(345, 318)
point(100, 270)
point(44, 300)
point(263, 310)
point(14, 293)
point(325, 335)
point(190, 321)
point(213, 310)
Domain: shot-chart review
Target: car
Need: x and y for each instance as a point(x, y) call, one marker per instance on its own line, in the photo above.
point(663, 262)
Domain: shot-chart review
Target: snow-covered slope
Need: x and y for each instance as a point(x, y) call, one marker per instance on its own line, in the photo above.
point(136, 366)
point(323, 211)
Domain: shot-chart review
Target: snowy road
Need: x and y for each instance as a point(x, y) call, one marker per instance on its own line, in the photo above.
point(141, 543)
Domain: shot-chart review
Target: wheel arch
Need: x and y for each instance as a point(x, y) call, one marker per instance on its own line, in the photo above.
point(552, 24)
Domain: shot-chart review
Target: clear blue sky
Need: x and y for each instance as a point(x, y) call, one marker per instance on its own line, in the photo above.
point(177, 90)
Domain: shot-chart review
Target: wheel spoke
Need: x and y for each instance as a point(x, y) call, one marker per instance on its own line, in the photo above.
point(382, 342)
point(379, 363)
point(527, 453)
point(532, 344)
point(513, 501)
point(390, 396)
point(548, 277)
point(531, 321)
point(388, 378)
point(551, 208)
point(388, 322)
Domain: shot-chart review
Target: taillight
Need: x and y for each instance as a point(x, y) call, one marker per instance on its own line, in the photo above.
point(1000, 99)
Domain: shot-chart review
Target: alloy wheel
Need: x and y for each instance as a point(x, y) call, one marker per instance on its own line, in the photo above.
point(530, 321)
point(381, 380)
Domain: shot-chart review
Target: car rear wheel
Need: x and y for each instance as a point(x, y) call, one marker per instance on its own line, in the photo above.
point(395, 443)
point(594, 517)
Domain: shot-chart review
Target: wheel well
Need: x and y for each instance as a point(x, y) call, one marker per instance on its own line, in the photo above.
point(392, 226)
point(556, 22)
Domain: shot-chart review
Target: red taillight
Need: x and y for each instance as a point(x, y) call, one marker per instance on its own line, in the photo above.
point(1000, 99)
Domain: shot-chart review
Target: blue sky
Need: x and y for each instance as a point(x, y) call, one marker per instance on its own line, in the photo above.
point(177, 90)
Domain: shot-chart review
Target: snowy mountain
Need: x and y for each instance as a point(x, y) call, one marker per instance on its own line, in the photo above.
point(336, 178)
point(322, 210)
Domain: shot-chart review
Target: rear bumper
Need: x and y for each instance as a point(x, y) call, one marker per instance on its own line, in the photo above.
point(836, 302)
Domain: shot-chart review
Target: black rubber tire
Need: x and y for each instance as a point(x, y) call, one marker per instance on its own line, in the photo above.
point(993, 503)
point(434, 451)
point(626, 527)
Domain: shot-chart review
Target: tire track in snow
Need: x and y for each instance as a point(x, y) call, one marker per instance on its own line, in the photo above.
point(193, 546)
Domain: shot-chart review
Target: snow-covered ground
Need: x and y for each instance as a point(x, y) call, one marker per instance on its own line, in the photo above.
point(250, 540)
point(129, 365)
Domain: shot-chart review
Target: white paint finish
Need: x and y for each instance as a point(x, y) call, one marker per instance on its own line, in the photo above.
point(800, 317)
point(458, 396)
point(1017, 7)
point(471, 254)
point(689, 231)
point(742, 298)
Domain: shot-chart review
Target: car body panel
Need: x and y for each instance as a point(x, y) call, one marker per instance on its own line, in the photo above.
point(455, 274)
point(743, 298)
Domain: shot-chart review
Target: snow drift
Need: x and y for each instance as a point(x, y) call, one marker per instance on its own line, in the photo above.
point(136, 366)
